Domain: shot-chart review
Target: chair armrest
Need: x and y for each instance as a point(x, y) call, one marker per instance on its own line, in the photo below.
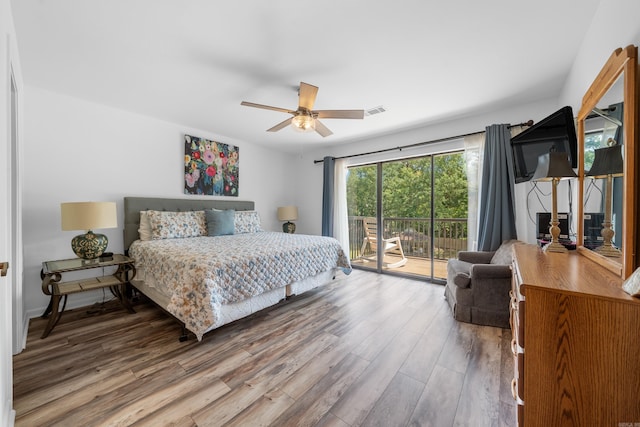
point(476, 257)
point(490, 271)
point(490, 285)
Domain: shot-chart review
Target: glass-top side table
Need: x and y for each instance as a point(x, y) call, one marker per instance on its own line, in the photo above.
point(64, 265)
point(52, 285)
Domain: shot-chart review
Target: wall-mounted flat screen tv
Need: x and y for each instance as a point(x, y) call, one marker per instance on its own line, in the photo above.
point(558, 132)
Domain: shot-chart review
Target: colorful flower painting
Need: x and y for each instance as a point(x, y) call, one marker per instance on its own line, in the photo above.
point(210, 168)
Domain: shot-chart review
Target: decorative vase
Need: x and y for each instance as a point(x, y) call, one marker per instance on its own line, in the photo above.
point(90, 245)
point(289, 227)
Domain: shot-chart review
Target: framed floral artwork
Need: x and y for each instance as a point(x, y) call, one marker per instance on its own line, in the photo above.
point(210, 168)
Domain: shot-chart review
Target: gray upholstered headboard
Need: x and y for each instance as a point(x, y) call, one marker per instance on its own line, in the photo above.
point(133, 206)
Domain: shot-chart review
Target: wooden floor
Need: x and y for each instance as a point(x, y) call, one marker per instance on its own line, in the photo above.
point(416, 266)
point(368, 349)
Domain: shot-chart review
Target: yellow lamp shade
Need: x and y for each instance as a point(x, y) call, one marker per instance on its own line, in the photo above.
point(88, 216)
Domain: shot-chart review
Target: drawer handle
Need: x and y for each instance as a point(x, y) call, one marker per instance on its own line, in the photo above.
point(515, 347)
point(514, 393)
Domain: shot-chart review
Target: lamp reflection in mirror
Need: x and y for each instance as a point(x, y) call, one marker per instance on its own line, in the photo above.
point(288, 213)
point(553, 167)
point(607, 164)
point(88, 216)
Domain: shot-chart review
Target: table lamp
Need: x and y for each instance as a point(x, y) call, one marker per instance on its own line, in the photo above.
point(607, 164)
point(88, 216)
point(553, 167)
point(288, 213)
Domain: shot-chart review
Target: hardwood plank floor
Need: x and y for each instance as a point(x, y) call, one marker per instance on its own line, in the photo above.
point(415, 265)
point(365, 350)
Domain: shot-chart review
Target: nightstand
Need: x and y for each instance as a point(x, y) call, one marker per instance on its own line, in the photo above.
point(51, 275)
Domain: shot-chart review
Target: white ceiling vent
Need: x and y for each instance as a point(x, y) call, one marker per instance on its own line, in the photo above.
point(375, 110)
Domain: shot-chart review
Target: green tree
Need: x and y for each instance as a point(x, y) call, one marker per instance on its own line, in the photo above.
point(406, 190)
point(592, 141)
point(450, 186)
point(361, 191)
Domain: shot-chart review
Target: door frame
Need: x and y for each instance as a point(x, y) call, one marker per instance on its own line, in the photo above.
point(13, 325)
point(20, 323)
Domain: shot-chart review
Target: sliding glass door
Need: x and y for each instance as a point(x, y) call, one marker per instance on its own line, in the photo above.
point(450, 209)
point(408, 216)
point(406, 209)
point(362, 205)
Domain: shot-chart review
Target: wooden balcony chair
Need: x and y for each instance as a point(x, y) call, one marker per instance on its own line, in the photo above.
point(392, 245)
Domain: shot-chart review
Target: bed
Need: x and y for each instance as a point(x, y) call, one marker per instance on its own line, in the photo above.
point(208, 281)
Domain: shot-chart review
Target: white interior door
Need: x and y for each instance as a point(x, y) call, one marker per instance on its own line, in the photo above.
point(10, 229)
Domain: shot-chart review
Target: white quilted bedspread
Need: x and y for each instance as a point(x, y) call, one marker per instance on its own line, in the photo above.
point(202, 273)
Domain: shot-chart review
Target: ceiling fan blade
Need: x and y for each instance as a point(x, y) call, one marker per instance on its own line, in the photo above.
point(280, 125)
point(322, 129)
point(307, 95)
point(339, 114)
point(266, 107)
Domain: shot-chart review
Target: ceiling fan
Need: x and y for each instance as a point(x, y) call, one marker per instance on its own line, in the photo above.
point(305, 118)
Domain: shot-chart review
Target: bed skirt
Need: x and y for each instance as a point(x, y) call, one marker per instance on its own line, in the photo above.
point(238, 310)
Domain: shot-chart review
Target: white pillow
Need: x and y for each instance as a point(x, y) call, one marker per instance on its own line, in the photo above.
point(175, 225)
point(247, 222)
point(145, 226)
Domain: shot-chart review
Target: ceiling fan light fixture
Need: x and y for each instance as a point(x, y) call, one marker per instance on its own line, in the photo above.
point(303, 123)
point(305, 118)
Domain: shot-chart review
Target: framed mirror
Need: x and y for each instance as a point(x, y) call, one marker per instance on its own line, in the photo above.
point(607, 165)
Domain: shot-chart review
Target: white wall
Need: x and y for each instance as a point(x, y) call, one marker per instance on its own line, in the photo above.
point(309, 182)
point(615, 24)
point(80, 151)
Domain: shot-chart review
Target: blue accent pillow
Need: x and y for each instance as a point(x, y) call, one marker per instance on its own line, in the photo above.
point(220, 223)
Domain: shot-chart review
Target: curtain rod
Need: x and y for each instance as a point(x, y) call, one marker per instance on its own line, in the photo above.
point(418, 144)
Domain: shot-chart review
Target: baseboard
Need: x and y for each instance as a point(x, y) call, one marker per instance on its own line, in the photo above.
point(8, 414)
point(20, 342)
point(25, 332)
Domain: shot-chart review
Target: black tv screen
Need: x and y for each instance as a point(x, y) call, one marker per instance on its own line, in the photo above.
point(558, 132)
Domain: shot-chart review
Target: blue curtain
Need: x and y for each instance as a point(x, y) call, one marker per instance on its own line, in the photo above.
point(497, 213)
point(327, 196)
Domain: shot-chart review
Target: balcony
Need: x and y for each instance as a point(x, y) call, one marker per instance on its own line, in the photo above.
point(449, 237)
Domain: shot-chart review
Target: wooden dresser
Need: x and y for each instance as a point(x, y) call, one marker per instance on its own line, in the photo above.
point(576, 342)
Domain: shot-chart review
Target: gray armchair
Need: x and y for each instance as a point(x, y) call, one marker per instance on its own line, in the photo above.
point(478, 285)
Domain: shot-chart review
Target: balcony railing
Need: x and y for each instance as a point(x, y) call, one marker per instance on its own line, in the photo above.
point(449, 236)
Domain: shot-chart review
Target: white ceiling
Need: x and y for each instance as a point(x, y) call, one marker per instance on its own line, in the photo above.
point(192, 62)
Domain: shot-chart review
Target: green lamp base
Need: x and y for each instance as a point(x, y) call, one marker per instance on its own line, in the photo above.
point(90, 245)
point(289, 227)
